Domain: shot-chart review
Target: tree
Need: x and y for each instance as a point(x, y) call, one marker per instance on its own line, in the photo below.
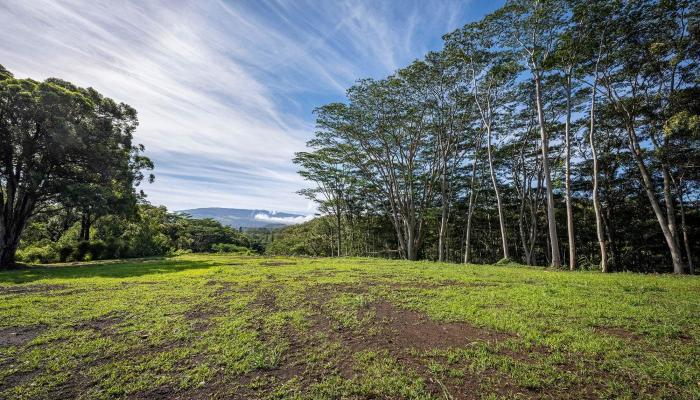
point(531, 29)
point(384, 133)
point(325, 168)
point(53, 136)
point(491, 74)
point(646, 64)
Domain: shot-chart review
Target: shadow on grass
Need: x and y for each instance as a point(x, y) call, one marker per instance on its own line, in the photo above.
point(106, 269)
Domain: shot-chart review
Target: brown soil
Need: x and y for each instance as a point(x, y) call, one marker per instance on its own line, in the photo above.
point(617, 332)
point(276, 263)
point(19, 336)
point(406, 335)
point(411, 329)
point(29, 288)
point(104, 324)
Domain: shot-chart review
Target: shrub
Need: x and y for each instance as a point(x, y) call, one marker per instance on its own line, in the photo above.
point(38, 254)
point(230, 248)
point(81, 250)
point(114, 248)
point(65, 251)
point(97, 249)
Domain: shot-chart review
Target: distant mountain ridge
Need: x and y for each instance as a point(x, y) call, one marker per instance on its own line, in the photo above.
point(245, 218)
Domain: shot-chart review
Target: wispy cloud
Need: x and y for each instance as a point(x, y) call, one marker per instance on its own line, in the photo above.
point(224, 90)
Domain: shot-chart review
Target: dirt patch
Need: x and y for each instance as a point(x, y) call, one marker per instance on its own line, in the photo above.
point(276, 263)
point(18, 378)
point(103, 324)
point(161, 392)
point(411, 329)
point(19, 336)
point(32, 288)
point(226, 288)
point(617, 332)
point(411, 337)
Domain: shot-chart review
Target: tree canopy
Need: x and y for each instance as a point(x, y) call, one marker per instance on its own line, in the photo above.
point(544, 111)
point(62, 145)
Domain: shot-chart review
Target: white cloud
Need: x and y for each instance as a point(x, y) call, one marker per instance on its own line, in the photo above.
point(283, 220)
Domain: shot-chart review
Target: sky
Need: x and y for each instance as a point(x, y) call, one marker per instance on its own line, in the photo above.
point(225, 90)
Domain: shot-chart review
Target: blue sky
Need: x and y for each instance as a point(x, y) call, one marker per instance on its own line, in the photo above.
point(224, 89)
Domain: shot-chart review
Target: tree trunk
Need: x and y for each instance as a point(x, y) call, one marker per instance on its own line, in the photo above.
point(551, 219)
point(670, 206)
point(443, 218)
point(521, 229)
point(8, 249)
point(472, 200)
point(567, 176)
point(684, 229)
point(671, 242)
point(501, 218)
point(85, 224)
point(411, 253)
point(17, 207)
point(340, 234)
point(10, 230)
point(7, 256)
point(596, 200)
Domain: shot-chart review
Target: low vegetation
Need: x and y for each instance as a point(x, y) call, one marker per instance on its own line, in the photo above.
point(150, 231)
point(222, 326)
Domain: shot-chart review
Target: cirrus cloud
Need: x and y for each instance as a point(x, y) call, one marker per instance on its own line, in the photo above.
point(224, 90)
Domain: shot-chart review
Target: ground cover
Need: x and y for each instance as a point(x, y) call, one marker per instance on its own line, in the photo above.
point(217, 326)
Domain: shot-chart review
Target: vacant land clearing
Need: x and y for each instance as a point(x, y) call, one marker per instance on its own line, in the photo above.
point(235, 327)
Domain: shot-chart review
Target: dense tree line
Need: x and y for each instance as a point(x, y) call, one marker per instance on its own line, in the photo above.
point(550, 132)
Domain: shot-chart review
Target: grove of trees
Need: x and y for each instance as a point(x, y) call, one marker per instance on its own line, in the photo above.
point(69, 173)
point(558, 132)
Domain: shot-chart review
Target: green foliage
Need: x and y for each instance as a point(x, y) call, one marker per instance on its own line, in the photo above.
point(39, 254)
point(314, 238)
point(543, 95)
point(152, 231)
point(231, 249)
point(82, 152)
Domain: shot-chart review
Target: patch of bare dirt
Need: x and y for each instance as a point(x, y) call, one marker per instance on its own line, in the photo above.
point(19, 336)
point(617, 332)
point(411, 329)
point(103, 324)
point(276, 263)
point(408, 335)
point(18, 378)
point(29, 288)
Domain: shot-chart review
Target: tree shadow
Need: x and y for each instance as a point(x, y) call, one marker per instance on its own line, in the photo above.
point(105, 269)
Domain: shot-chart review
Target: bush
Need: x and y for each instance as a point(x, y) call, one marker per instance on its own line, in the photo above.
point(81, 250)
point(38, 254)
point(97, 249)
point(114, 248)
point(230, 248)
point(64, 252)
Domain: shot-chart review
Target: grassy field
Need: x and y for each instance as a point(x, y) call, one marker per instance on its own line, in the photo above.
point(208, 326)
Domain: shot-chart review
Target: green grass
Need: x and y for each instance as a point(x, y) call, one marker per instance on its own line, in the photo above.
point(219, 326)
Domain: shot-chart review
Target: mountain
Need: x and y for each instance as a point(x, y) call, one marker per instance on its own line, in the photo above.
point(242, 218)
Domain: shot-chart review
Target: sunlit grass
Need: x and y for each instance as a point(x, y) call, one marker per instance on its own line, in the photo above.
point(216, 325)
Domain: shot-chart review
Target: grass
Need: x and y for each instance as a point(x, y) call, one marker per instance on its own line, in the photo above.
point(221, 326)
